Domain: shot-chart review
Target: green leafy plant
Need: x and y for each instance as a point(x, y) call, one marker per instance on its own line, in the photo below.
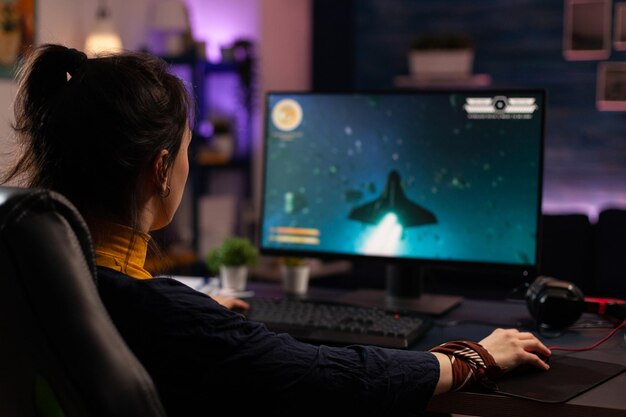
point(429, 41)
point(234, 251)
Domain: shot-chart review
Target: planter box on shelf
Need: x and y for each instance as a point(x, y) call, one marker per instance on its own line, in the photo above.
point(441, 56)
point(452, 63)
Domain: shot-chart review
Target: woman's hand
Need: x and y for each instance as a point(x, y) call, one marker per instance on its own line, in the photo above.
point(511, 348)
point(231, 302)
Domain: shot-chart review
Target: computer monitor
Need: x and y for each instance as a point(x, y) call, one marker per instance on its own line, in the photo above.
point(411, 178)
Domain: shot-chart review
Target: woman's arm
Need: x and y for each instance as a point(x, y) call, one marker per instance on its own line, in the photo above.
point(509, 349)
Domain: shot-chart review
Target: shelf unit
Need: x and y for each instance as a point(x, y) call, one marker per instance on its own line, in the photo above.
point(203, 160)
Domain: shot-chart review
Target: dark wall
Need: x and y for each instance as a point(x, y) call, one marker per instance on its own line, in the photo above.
point(363, 44)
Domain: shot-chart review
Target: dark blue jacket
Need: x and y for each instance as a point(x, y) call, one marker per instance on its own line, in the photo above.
point(207, 360)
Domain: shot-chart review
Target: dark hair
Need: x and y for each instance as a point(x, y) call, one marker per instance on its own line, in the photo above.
point(89, 127)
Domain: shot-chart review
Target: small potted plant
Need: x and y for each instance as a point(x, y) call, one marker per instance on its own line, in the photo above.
point(443, 55)
point(232, 259)
point(295, 273)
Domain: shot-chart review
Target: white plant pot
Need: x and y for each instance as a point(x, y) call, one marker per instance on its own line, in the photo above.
point(295, 279)
point(453, 63)
point(234, 278)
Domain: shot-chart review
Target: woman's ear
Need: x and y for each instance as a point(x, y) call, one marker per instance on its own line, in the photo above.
point(160, 171)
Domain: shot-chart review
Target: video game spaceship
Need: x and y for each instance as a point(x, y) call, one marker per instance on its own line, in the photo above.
point(393, 200)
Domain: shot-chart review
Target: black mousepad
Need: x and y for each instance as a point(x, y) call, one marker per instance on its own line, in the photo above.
point(568, 377)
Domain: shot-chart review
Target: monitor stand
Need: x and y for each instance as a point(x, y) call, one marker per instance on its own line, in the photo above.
point(404, 291)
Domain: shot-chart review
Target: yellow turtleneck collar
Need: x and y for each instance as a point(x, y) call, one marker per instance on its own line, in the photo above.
point(116, 252)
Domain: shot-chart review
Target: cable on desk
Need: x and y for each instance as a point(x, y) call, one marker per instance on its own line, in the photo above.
point(604, 339)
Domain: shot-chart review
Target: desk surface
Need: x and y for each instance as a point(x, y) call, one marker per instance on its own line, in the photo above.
point(475, 319)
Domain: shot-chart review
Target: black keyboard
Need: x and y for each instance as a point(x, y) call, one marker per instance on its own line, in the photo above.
point(338, 323)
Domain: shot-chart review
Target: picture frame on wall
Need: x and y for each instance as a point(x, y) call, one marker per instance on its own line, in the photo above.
point(17, 32)
point(587, 29)
point(611, 86)
point(619, 35)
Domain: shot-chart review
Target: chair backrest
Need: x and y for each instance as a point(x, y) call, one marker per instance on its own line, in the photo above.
point(59, 350)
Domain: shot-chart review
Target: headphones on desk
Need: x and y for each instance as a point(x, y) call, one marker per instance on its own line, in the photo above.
point(557, 304)
point(553, 303)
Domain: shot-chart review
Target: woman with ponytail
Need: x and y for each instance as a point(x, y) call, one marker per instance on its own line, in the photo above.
point(111, 134)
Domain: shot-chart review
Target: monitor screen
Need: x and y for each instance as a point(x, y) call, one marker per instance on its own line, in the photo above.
point(429, 176)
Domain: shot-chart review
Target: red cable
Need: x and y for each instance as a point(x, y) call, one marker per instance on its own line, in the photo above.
point(604, 339)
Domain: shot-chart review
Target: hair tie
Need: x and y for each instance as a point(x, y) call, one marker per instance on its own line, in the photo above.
point(76, 59)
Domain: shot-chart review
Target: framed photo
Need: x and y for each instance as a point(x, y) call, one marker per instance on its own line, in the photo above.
point(619, 35)
point(587, 29)
point(17, 32)
point(611, 86)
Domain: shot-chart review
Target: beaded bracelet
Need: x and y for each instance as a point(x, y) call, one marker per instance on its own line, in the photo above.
point(471, 363)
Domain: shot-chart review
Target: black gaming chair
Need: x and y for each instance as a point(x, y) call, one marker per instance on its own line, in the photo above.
point(60, 354)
